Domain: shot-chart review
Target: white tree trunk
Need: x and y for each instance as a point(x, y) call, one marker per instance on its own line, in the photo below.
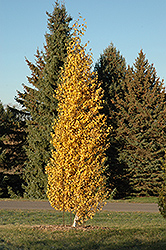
point(76, 218)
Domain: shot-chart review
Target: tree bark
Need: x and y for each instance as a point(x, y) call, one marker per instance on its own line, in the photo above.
point(76, 218)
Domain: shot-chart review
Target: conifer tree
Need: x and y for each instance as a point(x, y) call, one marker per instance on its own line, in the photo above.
point(12, 139)
point(75, 171)
point(141, 127)
point(162, 193)
point(3, 131)
point(111, 69)
point(39, 100)
point(12, 153)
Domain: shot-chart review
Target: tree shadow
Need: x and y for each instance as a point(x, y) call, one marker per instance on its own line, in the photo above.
point(103, 239)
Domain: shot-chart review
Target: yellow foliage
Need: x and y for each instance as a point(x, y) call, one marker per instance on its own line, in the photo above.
point(75, 172)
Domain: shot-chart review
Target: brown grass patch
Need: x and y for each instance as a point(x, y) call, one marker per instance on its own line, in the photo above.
point(67, 228)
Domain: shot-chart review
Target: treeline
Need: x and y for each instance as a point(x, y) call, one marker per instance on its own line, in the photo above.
point(134, 103)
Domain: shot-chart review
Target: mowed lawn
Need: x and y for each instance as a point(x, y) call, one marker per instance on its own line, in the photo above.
point(41, 229)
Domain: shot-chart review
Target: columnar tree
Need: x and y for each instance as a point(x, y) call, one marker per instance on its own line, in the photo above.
point(75, 171)
point(111, 69)
point(39, 100)
point(141, 127)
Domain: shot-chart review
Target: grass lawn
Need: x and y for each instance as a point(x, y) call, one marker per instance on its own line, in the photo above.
point(151, 199)
point(31, 229)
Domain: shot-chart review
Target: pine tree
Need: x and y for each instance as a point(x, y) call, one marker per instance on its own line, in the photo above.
point(39, 100)
point(111, 69)
point(142, 128)
point(75, 172)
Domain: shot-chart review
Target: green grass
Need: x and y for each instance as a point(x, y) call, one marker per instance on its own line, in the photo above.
point(151, 199)
point(29, 229)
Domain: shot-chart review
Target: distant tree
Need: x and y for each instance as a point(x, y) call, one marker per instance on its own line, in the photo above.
point(162, 193)
point(39, 100)
point(141, 127)
point(3, 119)
point(111, 69)
point(12, 142)
point(75, 171)
point(12, 138)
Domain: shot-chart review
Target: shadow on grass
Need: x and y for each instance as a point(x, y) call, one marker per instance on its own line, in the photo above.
point(108, 239)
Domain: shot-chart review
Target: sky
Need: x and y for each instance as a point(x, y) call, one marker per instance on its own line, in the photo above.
point(131, 25)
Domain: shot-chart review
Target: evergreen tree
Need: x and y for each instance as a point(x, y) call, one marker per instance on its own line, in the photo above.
point(111, 69)
point(12, 153)
point(39, 100)
point(141, 127)
point(75, 172)
point(162, 193)
point(3, 121)
point(12, 138)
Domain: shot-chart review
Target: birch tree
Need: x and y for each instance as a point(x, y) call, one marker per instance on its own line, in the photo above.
point(76, 182)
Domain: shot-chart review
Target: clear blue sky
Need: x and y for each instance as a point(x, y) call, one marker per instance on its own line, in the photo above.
point(130, 24)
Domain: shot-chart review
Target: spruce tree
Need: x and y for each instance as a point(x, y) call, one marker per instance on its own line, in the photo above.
point(111, 69)
point(12, 153)
point(12, 139)
point(3, 122)
point(162, 193)
point(141, 127)
point(39, 100)
point(75, 173)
